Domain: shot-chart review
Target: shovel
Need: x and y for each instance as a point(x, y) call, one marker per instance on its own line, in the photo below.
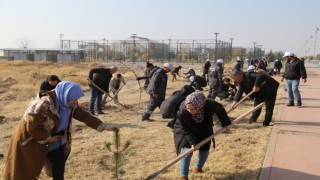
point(167, 166)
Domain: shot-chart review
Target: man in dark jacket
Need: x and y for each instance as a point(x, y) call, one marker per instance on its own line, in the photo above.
point(265, 88)
point(294, 70)
point(99, 77)
point(49, 84)
point(215, 79)
point(277, 66)
point(151, 69)
point(194, 124)
point(206, 67)
point(227, 90)
point(198, 82)
point(239, 65)
point(157, 89)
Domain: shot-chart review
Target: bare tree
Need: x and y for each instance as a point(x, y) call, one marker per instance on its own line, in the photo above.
point(24, 43)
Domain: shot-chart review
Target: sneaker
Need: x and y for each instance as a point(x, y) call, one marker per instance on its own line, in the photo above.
point(145, 118)
point(290, 103)
point(263, 125)
point(197, 171)
point(101, 112)
point(299, 103)
point(183, 178)
point(92, 113)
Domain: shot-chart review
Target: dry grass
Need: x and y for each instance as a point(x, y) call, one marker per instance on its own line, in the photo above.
point(238, 155)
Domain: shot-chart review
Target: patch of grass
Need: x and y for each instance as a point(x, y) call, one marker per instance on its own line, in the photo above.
point(238, 155)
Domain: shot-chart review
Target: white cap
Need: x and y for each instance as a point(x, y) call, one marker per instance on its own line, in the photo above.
point(220, 61)
point(191, 78)
point(276, 60)
point(208, 59)
point(169, 66)
point(251, 67)
point(286, 54)
point(238, 59)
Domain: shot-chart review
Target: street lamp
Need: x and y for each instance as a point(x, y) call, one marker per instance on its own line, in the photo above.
point(231, 39)
point(61, 43)
point(216, 48)
point(134, 48)
point(254, 49)
point(315, 42)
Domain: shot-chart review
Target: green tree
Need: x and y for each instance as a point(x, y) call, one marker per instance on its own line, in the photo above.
point(118, 158)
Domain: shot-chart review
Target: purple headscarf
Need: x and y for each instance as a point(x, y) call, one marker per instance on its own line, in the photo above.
point(197, 100)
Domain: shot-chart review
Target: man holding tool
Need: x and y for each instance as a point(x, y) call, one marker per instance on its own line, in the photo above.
point(261, 88)
point(99, 79)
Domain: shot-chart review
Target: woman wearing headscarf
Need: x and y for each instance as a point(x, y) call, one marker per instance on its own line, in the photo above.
point(194, 124)
point(43, 134)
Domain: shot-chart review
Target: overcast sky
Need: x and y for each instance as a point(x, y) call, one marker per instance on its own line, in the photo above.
point(276, 24)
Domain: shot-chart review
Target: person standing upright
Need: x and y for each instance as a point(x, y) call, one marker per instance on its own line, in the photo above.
point(215, 78)
point(206, 67)
point(157, 89)
point(99, 78)
point(294, 70)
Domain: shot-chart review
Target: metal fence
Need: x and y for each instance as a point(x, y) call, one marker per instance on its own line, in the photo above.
point(143, 49)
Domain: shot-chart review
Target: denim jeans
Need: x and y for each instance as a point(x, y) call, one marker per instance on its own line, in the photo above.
point(185, 162)
point(293, 90)
point(96, 96)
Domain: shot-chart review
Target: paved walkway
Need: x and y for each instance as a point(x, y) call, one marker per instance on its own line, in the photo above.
point(294, 148)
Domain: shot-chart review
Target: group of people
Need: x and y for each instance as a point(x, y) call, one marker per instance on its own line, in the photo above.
point(43, 137)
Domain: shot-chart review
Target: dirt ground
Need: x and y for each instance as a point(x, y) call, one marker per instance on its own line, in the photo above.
point(238, 155)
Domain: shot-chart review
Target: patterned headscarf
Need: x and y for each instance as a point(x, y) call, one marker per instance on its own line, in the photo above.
point(197, 100)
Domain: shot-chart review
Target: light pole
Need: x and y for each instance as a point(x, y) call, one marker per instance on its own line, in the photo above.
point(315, 42)
point(309, 45)
point(134, 48)
point(254, 50)
point(259, 50)
point(61, 43)
point(216, 48)
point(231, 39)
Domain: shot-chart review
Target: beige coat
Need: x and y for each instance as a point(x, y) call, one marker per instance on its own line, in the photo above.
point(28, 147)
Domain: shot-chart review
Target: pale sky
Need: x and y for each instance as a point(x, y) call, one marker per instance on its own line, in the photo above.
point(276, 24)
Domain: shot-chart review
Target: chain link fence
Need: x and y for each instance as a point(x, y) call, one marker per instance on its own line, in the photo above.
point(138, 49)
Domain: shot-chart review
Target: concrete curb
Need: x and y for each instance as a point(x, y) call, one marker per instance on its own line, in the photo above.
point(267, 163)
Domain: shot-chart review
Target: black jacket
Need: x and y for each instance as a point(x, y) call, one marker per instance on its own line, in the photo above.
point(277, 65)
point(158, 83)
point(147, 76)
point(187, 132)
point(295, 70)
point(215, 76)
point(251, 79)
point(206, 67)
point(100, 77)
point(169, 107)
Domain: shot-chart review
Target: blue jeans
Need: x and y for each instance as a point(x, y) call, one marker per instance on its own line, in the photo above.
point(293, 90)
point(185, 162)
point(95, 95)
